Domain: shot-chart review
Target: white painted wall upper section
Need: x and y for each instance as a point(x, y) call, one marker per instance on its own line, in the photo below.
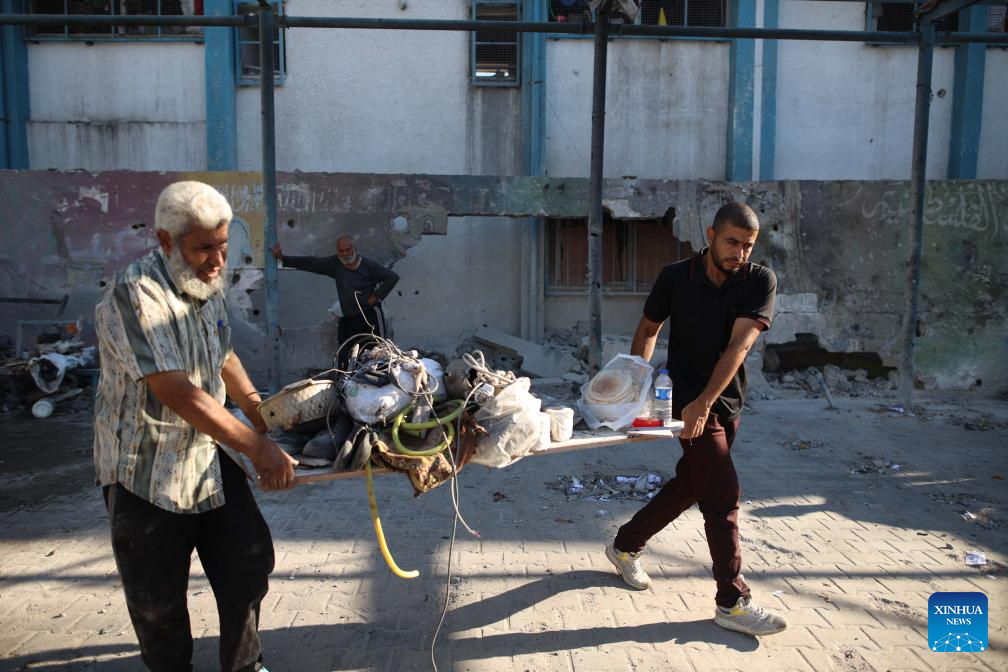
point(367, 100)
point(136, 106)
point(845, 110)
point(666, 108)
point(992, 162)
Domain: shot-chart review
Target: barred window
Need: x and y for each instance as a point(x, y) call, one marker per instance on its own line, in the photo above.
point(898, 17)
point(247, 47)
point(116, 8)
point(997, 18)
point(652, 12)
point(633, 253)
point(494, 55)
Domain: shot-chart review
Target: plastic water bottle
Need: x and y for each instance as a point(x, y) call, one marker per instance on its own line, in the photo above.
point(663, 398)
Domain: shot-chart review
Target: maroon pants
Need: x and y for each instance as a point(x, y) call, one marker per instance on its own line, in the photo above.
point(704, 476)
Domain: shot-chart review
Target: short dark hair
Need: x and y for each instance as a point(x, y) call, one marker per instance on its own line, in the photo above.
point(738, 215)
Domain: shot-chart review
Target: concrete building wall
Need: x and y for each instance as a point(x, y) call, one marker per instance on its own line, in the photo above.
point(666, 108)
point(838, 249)
point(845, 110)
point(992, 161)
point(101, 106)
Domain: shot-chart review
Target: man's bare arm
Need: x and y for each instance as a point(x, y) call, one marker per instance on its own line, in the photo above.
point(745, 331)
point(644, 338)
point(199, 409)
point(241, 391)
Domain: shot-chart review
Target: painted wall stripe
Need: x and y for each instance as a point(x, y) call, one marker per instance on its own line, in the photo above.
point(221, 95)
point(768, 107)
point(741, 80)
point(14, 107)
point(967, 98)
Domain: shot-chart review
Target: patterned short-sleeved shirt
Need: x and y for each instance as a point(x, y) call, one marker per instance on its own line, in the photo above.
point(147, 325)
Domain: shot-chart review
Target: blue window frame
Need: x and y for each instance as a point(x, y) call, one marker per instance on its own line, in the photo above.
point(116, 8)
point(495, 57)
point(247, 66)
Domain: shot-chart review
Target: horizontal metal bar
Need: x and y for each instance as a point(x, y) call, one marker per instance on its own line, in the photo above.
point(965, 38)
point(576, 27)
point(506, 26)
point(108, 20)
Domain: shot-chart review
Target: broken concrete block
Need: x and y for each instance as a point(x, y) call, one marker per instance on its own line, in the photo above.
point(541, 361)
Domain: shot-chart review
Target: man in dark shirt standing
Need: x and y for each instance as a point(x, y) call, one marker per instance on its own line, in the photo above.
point(717, 303)
point(361, 285)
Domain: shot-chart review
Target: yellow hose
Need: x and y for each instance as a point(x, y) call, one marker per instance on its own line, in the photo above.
point(412, 574)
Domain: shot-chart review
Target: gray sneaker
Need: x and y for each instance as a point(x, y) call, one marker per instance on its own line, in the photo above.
point(628, 566)
point(747, 617)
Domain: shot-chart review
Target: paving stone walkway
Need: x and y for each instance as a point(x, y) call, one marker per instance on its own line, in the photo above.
point(843, 543)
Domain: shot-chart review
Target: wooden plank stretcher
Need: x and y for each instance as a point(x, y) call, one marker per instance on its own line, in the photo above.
point(580, 441)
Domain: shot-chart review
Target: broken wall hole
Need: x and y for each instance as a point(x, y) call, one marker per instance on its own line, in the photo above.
point(805, 352)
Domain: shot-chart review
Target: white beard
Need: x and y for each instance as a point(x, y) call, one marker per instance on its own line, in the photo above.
point(187, 280)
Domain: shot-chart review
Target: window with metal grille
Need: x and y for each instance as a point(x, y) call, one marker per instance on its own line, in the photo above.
point(652, 12)
point(116, 8)
point(997, 18)
point(633, 253)
point(494, 57)
point(247, 47)
point(898, 17)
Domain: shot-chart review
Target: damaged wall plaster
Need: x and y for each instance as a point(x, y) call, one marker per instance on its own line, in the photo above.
point(838, 249)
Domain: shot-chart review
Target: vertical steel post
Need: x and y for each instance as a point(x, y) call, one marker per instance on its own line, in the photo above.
point(269, 181)
point(922, 112)
point(595, 194)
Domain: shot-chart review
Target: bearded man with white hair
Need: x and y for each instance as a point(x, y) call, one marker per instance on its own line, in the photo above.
point(167, 366)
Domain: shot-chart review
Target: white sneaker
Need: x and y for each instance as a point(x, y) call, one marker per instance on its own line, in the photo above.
point(747, 617)
point(628, 566)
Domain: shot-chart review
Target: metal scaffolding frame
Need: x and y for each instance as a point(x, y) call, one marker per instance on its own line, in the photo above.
point(926, 38)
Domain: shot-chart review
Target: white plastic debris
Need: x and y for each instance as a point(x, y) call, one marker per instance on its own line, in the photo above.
point(895, 467)
point(626, 479)
point(654, 479)
point(969, 516)
point(575, 487)
point(777, 593)
point(976, 559)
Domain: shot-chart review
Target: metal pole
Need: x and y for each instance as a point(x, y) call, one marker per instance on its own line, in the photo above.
point(269, 180)
point(925, 58)
point(595, 194)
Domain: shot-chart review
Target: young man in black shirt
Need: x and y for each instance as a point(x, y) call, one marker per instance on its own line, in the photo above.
point(717, 303)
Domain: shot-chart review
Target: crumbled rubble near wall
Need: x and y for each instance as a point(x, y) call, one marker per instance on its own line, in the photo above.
point(50, 374)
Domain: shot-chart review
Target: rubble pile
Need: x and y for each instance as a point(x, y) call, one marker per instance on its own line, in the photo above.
point(839, 381)
point(49, 373)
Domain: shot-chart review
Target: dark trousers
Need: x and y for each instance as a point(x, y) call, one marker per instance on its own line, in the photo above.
point(153, 550)
point(372, 321)
point(705, 475)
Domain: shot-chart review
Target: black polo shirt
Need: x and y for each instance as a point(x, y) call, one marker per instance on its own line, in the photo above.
point(701, 316)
